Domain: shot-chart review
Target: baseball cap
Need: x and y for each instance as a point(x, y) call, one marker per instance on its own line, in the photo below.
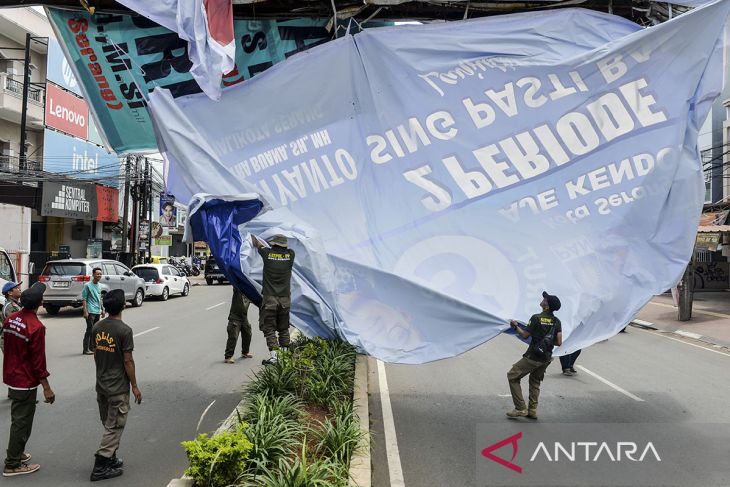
point(33, 296)
point(10, 285)
point(552, 301)
point(279, 240)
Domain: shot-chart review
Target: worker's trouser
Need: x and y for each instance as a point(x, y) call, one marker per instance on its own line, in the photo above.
point(521, 368)
point(273, 319)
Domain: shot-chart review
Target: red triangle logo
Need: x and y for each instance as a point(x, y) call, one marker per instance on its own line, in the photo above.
point(512, 440)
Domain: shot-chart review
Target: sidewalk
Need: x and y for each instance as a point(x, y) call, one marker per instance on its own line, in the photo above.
point(710, 317)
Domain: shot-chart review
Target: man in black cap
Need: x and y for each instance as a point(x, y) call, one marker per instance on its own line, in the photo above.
point(115, 374)
point(546, 332)
point(24, 369)
point(274, 310)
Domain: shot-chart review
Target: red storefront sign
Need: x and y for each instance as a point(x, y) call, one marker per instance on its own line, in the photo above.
point(66, 112)
point(107, 204)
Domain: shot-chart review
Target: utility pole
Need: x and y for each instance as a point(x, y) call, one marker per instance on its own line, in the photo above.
point(148, 170)
point(125, 225)
point(135, 211)
point(686, 292)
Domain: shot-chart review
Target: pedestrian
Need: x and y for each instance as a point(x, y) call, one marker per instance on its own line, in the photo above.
point(115, 373)
point(567, 362)
point(93, 308)
point(238, 325)
point(11, 291)
point(274, 309)
point(24, 369)
point(546, 332)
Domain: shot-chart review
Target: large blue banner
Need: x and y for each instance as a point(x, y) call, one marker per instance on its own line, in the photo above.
point(118, 59)
point(435, 179)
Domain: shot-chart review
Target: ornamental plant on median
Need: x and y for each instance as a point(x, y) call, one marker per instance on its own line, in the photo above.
point(298, 424)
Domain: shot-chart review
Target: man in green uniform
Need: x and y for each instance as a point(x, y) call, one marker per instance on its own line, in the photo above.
point(274, 310)
point(115, 373)
point(238, 324)
point(546, 332)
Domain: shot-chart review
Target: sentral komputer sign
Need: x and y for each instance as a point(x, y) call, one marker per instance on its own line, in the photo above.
point(82, 201)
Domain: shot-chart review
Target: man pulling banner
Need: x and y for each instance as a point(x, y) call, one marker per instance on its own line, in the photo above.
point(433, 179)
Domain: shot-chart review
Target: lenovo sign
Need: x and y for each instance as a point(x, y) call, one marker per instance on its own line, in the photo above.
point(66, 112)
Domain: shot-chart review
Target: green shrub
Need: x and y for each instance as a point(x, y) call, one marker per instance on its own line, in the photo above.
point(329, 381)
point(277, 379)
point(300, 472)
point(273, 438)
point(299, 341)
point(219, 460)
point(261, 406)
point(340, 436)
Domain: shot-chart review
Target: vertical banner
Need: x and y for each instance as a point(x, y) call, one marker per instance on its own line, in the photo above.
point(168, 211)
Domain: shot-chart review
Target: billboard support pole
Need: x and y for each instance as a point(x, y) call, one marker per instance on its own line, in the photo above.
point(125, 211)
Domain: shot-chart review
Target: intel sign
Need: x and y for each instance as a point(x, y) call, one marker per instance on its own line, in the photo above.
point(79, 159)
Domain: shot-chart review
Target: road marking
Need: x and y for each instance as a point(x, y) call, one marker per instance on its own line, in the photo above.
point(395, 471)
point(215, 306)
point(197, 428)
point(146, 331)
point(504, 395)
point(611, 384)
point(692, 344)
point(695, 310)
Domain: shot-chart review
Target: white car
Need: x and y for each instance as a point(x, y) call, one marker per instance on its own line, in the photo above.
point(162, 280)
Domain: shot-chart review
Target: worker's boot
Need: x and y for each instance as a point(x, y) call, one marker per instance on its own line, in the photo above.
point(116, 462)
point(104, 469)
point(517, 413)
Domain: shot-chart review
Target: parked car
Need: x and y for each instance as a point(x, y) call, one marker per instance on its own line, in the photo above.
point(213, 272)
point(66, 278)
point(7, 272)
point(162, 280)
point(156, 259)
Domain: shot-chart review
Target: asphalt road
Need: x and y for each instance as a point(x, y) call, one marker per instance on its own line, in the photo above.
point(445, 413)
point(180, 370)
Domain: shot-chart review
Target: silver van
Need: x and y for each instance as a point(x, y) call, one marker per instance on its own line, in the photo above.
point(65, 280)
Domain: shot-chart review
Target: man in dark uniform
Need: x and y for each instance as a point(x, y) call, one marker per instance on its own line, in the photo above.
point(274, 310)
point(546, 332)
point(238, 324)
point(115, 374)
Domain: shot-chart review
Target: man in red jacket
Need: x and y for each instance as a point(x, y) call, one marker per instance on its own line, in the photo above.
point(24, 369)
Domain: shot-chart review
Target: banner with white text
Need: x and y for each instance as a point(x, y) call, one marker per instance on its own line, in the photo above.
point(454, 171)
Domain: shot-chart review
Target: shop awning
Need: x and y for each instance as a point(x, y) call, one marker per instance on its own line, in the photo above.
point(713, 228)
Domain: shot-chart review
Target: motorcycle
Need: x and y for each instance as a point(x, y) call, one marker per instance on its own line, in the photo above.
point(183, 266)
